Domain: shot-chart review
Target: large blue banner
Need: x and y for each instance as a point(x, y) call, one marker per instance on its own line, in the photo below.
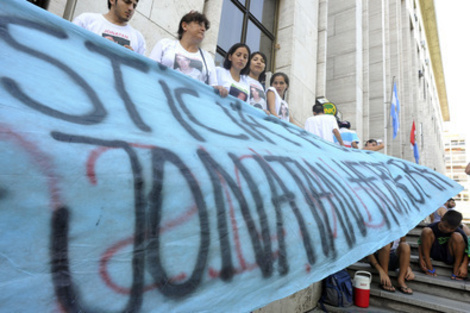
point(126, 186)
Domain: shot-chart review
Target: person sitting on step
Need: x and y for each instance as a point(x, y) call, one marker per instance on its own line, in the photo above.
point(439, 213)
point(449, 205)
point(389, 258)
point(445, 241)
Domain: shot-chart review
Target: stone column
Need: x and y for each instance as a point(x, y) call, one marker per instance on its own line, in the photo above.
point(345, 85)
point(322, 47)
point(297, 36)
point(213, 11)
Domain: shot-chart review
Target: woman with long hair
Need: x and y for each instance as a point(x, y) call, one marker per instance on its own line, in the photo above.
point(233, 75)
point(256, 79)
point(275, 97)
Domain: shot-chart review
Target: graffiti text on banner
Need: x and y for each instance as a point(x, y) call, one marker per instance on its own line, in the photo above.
point(146, 191)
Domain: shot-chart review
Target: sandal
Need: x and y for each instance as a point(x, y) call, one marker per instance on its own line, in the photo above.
point(455, 277)
point(431, 273)
point(390, 288)
point(405, 290)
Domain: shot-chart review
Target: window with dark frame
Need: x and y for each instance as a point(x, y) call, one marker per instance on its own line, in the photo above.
point(40, 3)
point(249, 21)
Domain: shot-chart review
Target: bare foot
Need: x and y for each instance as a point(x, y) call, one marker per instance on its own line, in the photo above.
point(409, 274)
point(387, 288)
point(455, 277)
point(430, 272)
point(422, 265)
point(405, 289)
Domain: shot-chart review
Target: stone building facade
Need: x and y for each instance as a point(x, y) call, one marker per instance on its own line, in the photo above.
point(350, 51)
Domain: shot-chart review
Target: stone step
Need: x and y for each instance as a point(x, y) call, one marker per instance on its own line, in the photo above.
point(440, 286)
point(418, 302)
point(415, 232)
point(412, 240)
point(430, 294)
point(352, 309)
point(414, 247)
point(423, 224)
point(440, 267)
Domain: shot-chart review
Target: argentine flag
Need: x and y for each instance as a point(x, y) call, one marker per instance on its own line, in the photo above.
point(395, 111)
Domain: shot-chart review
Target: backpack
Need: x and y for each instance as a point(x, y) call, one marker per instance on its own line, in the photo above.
point(337, 290)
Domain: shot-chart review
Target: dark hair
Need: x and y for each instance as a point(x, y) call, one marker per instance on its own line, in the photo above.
point(262, 76)
point(344, 124)
point(318, 108)
point(453, 218)
point(228, 63)
point(193, 16)
point(371, 141)
point(236, 92)
point(109, 4)
point(286, 78)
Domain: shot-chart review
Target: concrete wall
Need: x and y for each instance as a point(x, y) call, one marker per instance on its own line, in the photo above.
point(377, 49)
point(302, 301)
point(297, 37)
point(344, 79)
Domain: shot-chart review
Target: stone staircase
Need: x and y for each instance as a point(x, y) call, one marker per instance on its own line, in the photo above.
point(430, 294)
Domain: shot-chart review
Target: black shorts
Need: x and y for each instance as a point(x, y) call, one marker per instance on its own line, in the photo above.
point(393, 262)
point(441, 253)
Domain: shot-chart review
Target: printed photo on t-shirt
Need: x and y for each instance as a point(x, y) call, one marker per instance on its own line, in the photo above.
point(283, 112)
point(188, 66)
point(257, 97)
point(116, 39)
point(237, 93)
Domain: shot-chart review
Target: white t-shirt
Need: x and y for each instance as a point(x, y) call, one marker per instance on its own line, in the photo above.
point(282, 107)
point(171, 53)
point(240, 90)
point(123, 35)
point(322, 125)
point(257, 96)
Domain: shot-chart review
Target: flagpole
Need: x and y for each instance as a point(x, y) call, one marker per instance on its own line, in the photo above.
point(384, 68)
point(389, 111)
